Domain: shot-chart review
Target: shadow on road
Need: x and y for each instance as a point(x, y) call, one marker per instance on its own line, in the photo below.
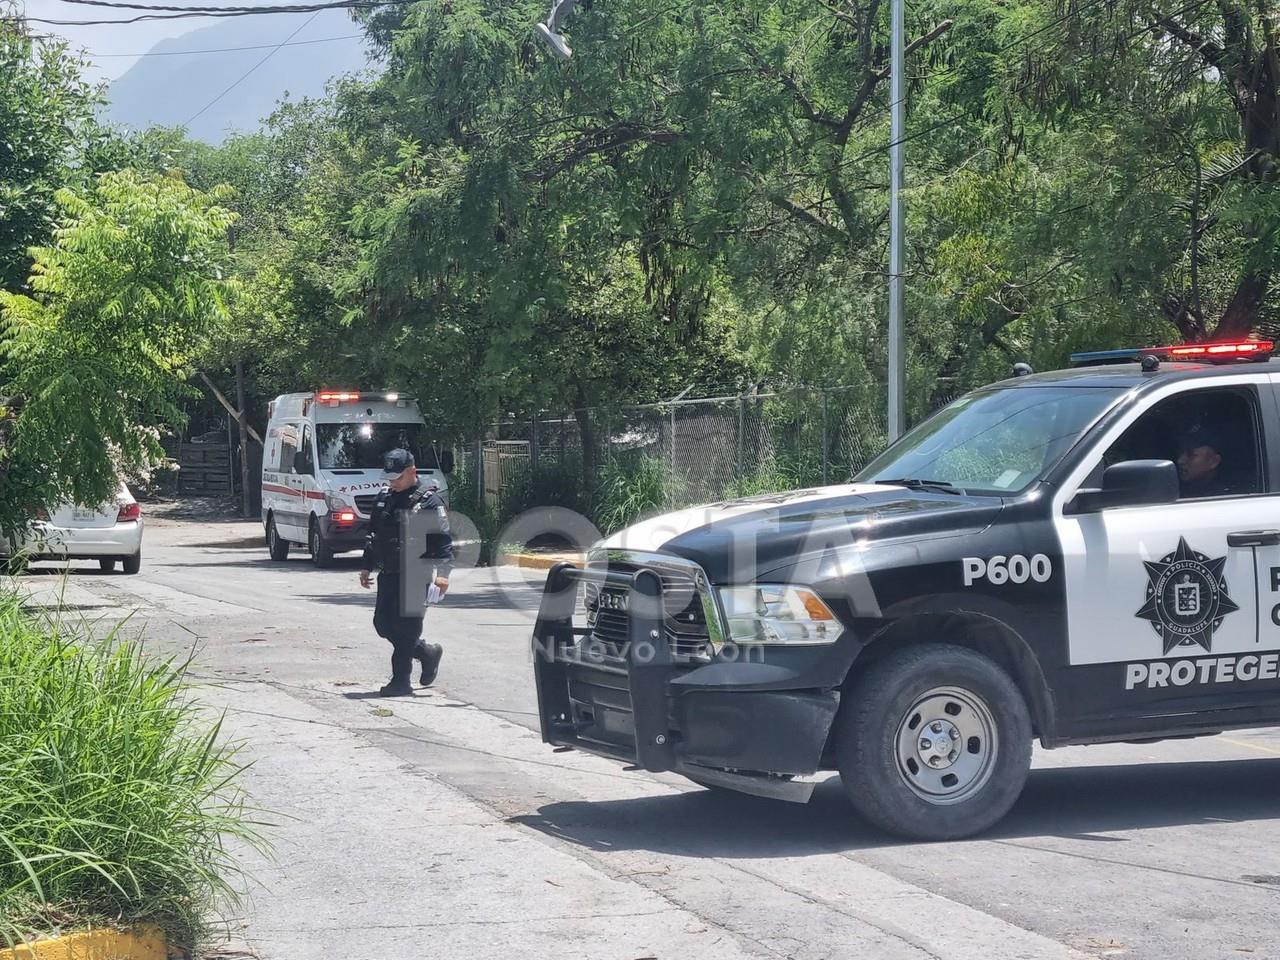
point(359, 597)
point(90, 568)
point(301, 566)
point(459, 598)
point(1065, 802)
point(233, 543)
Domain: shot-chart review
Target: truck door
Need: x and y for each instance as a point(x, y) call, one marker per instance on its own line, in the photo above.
point(1169, 606)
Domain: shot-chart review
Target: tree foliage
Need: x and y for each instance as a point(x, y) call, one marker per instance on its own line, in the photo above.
point(698, 199)
point(130, 288)
point(49, 139)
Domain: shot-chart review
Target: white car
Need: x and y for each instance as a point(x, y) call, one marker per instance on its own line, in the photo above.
point(110, 533)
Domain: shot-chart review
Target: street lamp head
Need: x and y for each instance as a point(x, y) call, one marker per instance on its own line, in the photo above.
point(559, 46)
point(559, 10)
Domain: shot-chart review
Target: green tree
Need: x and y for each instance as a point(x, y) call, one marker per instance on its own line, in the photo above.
point(49, 140)
point(95, 355)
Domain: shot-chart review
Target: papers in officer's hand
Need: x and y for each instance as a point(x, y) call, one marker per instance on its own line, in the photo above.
point(434, 594)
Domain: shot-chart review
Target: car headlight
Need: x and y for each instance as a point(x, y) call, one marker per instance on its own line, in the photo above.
point(336, 502)
point(774, 613)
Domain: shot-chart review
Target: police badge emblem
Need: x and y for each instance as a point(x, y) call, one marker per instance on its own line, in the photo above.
point(1186, 598)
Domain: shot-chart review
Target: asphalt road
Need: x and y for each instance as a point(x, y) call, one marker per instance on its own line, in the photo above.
point(1137, 851)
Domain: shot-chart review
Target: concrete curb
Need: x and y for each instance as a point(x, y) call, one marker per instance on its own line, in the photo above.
point(538, 561)
point(142, 943)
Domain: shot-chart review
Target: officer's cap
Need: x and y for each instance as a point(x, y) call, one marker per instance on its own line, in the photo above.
point(1199, 435)
point(396, 462)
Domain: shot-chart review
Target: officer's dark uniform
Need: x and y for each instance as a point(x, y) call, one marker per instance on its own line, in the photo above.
point(383, 552)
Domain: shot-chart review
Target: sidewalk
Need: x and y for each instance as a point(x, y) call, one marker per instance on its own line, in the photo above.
point(381, 860)
point(377, 860)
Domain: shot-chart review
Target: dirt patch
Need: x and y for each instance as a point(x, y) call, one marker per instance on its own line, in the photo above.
point(204, 509)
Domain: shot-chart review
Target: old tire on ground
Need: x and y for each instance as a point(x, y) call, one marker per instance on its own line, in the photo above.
point(321, 552)
point(132, 564)
point(933, 743)
point(107, 564)
point(277, 547)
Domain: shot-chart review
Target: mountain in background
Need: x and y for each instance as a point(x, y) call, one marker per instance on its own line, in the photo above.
point(170, 86)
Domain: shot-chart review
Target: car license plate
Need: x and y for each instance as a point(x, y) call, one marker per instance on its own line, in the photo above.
point(83, 513)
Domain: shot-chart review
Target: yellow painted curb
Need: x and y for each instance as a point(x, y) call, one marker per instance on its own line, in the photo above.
point(539, 561)
point(144, 943)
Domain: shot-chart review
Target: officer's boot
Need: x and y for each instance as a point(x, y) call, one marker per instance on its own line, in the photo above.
point(402, 658)
point(429, 655)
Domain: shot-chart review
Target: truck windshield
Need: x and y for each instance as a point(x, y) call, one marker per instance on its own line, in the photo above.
point(360, 446)
point(996, 441)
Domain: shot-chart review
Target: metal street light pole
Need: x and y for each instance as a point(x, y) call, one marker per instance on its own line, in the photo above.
point(897, 351)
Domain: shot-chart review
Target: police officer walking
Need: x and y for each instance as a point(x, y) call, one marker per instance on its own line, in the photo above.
point(401, 499)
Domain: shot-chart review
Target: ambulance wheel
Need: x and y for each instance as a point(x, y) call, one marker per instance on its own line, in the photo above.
point(321, 552)
point(107, 564)
point(277, 547)
point(933, 743)
point(131, 565)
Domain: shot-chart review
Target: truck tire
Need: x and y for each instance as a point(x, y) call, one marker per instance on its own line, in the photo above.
point(933, 743)
point(277, 547)
point(321, 552)
point(133, 564)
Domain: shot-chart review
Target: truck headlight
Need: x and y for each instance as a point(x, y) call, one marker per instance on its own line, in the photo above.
point(775, 613)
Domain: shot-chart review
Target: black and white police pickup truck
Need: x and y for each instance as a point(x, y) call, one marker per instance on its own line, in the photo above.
point(1083, 556)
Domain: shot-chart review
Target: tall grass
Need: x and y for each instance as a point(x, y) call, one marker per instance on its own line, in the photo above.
point(631, 486)
point(116, 799)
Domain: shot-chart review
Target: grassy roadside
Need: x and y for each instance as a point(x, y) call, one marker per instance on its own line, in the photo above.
point(116, 800)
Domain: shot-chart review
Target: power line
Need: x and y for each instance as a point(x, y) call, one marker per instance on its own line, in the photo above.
point(219, 12)
point(259, 46)
point(190, 8)
point(244, 76)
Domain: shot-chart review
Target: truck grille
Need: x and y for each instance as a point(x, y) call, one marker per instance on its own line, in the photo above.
point(365, 503)
point(685, 626)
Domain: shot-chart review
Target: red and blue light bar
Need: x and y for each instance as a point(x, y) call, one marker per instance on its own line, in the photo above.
point(353, 396)
point(1225, 352)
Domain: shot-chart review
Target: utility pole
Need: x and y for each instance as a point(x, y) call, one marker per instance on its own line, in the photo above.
point(897, 350)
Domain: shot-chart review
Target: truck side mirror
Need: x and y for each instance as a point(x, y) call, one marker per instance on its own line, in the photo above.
point(1131, 483)
point(446, 461)
point(300, 464)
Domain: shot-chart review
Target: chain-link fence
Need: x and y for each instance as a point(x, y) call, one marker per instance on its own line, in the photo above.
point(617, 463)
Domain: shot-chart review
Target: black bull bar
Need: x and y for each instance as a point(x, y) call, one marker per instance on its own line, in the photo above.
point(649, 664)
point(644, 669)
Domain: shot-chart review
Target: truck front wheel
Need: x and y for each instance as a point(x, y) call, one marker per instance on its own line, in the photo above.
point(934, 743)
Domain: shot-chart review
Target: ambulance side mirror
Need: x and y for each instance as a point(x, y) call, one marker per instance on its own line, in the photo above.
point(300, 464)
point(1131, 483)
point(446, 461)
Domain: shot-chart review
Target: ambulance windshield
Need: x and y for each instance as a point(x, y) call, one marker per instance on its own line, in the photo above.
point(994, 442)
point(360, 446)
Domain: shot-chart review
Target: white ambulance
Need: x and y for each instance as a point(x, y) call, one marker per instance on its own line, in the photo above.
point(322, 466)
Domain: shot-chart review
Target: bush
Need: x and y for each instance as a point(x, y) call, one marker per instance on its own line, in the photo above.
point(631, 486)
point(115, 798)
